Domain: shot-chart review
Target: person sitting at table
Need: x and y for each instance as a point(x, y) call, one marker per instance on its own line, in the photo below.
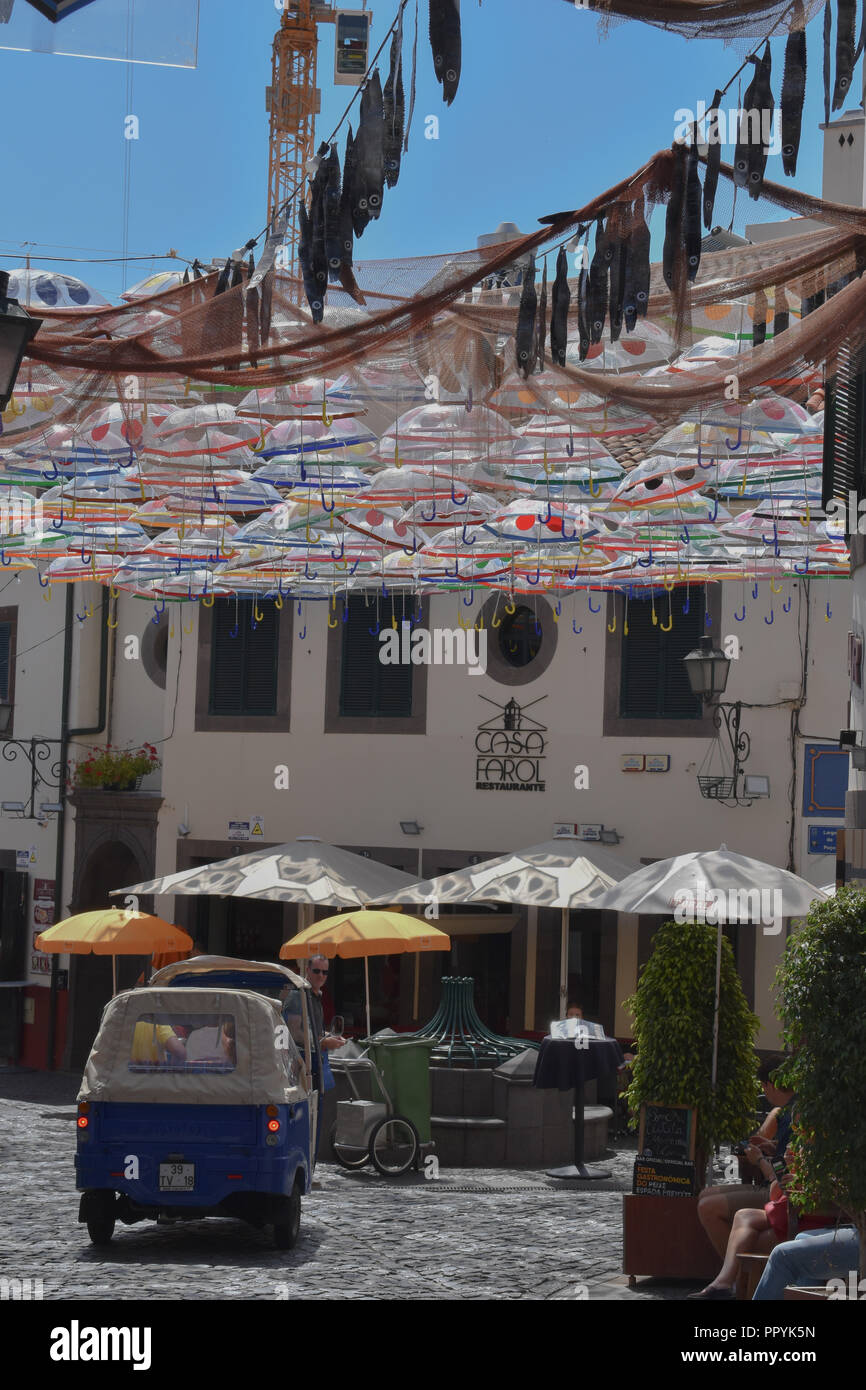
point(574, 1010)
point(719, 1204)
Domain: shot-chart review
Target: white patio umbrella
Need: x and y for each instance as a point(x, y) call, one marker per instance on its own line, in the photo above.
point(306, 870)
point(565, 872)
point(718, 886)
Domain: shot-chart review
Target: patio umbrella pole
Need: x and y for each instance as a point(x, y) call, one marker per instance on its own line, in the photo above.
point(709, 1174)
point(563, 965)
point(367, 991)
point(113, 976)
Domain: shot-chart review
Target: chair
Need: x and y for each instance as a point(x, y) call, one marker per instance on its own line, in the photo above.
point(749, 1271)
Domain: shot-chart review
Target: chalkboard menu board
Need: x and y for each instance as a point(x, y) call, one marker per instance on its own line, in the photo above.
point(667, 1132)
point(654, 1177)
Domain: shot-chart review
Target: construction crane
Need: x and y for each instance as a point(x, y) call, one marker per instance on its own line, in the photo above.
point(294, 100)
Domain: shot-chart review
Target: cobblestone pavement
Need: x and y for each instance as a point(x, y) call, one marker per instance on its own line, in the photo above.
point(477, 1234)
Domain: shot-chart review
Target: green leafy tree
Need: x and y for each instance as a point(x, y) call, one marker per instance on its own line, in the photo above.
point(822, 1004)
point(673, 1013)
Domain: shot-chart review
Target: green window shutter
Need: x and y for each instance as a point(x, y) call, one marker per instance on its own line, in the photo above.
point(844, 435)
point(243, 667)
point(655, 684)
point(369, 689)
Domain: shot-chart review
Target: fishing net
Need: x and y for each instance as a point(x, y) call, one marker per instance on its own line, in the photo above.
point(464, 426)
point(706, 19)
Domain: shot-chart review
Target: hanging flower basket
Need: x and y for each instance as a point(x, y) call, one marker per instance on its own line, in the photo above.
point(717, 788)
point(116, 769)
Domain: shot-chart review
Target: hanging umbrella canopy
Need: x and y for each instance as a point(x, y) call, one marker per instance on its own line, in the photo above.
point(113, 931)
point(565, 872)
point(658, 888)
point(306, 870)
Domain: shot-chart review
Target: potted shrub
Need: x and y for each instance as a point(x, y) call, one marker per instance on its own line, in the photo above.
point(673, 1012)
point(822, 1004)
point(116, 769)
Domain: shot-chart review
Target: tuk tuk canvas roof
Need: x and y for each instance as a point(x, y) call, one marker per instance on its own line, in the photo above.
point(257, 1079)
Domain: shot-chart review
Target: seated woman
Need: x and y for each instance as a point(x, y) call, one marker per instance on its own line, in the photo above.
point(718, 1205)
point(757, 1232)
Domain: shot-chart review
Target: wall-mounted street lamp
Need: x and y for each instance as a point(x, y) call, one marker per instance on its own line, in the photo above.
point(707, 669)
point(16, 330)
point(411, 827)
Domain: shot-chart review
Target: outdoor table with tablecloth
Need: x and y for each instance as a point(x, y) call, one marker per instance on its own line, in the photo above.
point(562, 1066)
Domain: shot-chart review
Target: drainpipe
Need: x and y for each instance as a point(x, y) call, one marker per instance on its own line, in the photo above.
point(65, 735)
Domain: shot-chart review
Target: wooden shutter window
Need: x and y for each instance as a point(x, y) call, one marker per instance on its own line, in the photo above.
point(844, 433)
point(655, 684)
point(369, 689)
point(244, 666)
point(5, 647)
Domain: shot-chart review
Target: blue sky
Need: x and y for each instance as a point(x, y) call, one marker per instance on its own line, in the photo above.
point(547, 115)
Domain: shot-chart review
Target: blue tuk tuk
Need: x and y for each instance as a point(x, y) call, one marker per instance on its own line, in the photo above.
point(198, 1099)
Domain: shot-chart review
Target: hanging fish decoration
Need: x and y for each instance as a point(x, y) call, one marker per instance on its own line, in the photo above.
point(348, 198)
point(597, 288)
point(794, 93)
point(617, 256)
point(541, 320)
point(222, 283)
point(370, 152)
point(412, 83)
point(846, 19)
point(828, 35)
point(714, 159)
point(756, 123)
point(673, 243)
point(311, 286)
point(525, 336)
point(861, 42)
point(583, 303)
point(560, 300)
point(445, 42)
point(745, 129)
point(345, 228)
point(394, 109)
point(637, 276)
point(763, 97)
point(331, 203)
point(316, 212)
point(692, 216)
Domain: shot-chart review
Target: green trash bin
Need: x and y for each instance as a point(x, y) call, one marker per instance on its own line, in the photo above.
point(405, 1068)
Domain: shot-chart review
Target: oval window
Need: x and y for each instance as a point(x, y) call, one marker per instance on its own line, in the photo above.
point(520, 637)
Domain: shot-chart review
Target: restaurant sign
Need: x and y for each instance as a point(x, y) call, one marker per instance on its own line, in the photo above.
point(509, 750)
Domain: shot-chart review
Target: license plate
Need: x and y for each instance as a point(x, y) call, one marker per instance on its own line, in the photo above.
point(176, 1177)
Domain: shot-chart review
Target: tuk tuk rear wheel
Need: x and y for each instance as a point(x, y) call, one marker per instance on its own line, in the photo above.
point(287, 1228)
point(100, 1221)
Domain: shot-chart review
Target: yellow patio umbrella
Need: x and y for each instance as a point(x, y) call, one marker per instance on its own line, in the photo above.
point(113, 931)
point(366, 932)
